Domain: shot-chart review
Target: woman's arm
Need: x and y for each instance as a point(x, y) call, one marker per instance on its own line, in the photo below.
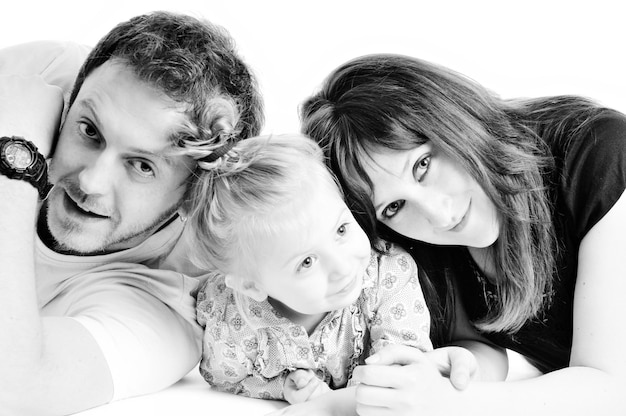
point(492, 361)
point(593, 383)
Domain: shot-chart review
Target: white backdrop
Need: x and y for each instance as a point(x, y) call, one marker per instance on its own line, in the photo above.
point(530, 48)
point(515, 48)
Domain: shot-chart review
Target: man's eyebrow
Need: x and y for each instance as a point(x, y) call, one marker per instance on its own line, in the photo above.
point(165, 155)
point(89, 105)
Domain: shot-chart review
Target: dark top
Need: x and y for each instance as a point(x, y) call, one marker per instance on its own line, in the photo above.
point(590, 177)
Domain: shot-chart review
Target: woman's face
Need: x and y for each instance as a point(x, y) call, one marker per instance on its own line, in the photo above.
point(423, 194)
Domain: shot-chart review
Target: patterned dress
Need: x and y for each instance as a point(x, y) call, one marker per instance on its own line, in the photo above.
point(249, 348)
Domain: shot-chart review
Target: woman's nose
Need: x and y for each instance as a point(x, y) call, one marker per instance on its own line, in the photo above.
point(437, 210)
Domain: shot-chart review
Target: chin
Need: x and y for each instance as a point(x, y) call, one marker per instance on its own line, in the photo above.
point(71, 237)
point(77, 243)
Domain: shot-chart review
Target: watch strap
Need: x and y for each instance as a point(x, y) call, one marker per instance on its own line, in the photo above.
point(36, 173)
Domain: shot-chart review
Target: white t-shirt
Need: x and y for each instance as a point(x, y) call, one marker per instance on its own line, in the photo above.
point(136, 303)
point(142, 318)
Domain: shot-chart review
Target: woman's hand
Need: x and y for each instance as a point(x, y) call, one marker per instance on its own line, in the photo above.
point(457, 363)
point(401, 380)
point(302, 385)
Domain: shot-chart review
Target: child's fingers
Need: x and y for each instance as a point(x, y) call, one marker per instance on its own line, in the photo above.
point(302, 377)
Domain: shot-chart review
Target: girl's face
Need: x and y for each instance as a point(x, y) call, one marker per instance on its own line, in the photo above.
point(423, 194)
point(318, 267)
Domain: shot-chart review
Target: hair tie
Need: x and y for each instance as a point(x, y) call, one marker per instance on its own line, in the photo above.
point(219, 152)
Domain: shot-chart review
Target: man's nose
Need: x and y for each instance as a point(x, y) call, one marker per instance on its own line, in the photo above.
point(97, 175)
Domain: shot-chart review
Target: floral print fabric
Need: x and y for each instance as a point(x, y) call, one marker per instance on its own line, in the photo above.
point(249, 348)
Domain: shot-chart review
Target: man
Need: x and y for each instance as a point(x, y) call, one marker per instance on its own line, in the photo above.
point(94, 305)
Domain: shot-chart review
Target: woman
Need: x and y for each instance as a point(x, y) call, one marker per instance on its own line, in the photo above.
point(517, 209)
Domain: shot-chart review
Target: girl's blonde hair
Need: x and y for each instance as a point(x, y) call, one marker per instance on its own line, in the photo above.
point(253, 191)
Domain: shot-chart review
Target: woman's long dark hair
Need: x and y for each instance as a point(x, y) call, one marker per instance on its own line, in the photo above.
point(399, 102)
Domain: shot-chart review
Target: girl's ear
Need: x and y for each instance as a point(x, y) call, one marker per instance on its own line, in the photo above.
point(246, 287)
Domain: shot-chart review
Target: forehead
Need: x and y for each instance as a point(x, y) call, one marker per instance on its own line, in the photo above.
point(123, 106)
point(382, 163)
point(306, 221)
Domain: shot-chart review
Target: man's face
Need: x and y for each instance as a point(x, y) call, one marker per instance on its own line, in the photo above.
point(115, 179)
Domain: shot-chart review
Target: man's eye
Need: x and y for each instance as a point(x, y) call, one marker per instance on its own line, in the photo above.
point(143, 168)
point(88, 130)
point(421, 167)
point(392, 209)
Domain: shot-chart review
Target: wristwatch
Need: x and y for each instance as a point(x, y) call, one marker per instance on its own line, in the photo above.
point(20, 159)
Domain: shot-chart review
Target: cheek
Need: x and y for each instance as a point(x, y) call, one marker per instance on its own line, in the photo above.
point(67, 157)
point(363, 242)
point(61, 165)
point(410, 228)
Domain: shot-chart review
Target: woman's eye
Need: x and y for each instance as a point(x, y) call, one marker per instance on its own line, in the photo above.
point(142, 167)
point(343, 229)
point(421, 167)
point(392, 209)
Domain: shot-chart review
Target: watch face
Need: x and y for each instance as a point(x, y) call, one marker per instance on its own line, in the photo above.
point(18, 155)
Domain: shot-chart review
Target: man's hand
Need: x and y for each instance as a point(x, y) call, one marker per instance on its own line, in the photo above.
point(30, 108)
point(302, 385)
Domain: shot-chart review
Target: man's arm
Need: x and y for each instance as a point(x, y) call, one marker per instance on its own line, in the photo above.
point(45, 362)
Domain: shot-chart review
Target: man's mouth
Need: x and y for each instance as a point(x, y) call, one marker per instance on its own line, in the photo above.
point(82, 209)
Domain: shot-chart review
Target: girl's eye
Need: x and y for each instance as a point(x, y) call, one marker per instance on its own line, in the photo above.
point(142, 168)
point(307, 263)
point(343, 229)
point(421, 167)
point(392, 209)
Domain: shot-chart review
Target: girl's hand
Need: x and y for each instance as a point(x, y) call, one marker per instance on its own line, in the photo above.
point(302, 385)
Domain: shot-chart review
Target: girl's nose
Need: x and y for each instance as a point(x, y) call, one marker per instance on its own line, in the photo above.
point(339, 264)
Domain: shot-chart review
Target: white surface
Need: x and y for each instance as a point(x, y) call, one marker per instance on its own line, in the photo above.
point(192, 395)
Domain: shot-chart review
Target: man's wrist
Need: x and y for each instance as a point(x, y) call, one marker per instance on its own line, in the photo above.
point(20, 160)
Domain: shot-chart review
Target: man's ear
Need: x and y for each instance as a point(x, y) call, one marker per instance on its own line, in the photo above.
point(246, 287)
point(182, 212)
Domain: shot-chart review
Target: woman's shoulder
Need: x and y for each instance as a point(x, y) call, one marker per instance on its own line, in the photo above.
point(591, 170)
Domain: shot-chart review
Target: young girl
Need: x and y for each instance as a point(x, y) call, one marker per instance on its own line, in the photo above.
point(300, 298)
point(522, 206)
